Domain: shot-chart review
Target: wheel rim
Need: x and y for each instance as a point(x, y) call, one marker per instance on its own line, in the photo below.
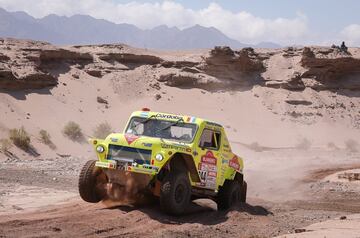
point(179, 193)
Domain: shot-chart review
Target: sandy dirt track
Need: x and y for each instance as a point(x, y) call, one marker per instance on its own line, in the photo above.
point(57, 211)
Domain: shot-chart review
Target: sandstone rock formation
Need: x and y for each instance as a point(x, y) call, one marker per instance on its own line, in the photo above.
point(26, 63)
point(32, 64)
point(224, 63)
point(125, 58)
point(222, 69)
point(331, 69)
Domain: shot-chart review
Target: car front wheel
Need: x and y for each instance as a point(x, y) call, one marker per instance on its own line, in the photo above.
point(89, 179)
point(175, 193)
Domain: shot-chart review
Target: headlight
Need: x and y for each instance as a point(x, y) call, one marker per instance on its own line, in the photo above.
point(100, 149)
point(159, 157)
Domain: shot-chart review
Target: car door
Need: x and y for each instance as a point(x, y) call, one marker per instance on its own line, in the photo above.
point(226, 158)
point(210, 157)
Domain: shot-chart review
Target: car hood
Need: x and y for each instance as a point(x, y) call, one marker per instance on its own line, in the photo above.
point(143, 142)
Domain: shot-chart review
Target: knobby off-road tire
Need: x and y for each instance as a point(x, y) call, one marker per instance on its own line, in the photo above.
point(231, 193)
point(88, 181)
point(175, 193)
point(243, 193)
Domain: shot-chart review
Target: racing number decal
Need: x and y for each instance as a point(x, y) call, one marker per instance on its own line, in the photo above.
point(208, 170)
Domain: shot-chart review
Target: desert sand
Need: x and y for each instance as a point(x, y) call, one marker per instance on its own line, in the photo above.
point(293, 115)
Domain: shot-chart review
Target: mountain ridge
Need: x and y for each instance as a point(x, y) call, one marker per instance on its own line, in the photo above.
point(84, 29)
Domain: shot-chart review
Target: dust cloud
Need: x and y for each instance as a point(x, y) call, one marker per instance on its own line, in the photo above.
point(127, 188)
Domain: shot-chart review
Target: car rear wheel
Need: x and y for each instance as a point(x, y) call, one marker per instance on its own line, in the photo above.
point(175, 193)
point(231, 193)
point(88, 182)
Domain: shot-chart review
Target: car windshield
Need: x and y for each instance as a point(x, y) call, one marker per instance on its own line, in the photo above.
point(171, 130)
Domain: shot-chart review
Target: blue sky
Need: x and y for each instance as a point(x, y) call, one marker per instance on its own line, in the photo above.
point(324, 15)
point(249, 21)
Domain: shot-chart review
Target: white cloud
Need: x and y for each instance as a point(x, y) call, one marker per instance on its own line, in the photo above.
point(242, 25)
point(351, 34)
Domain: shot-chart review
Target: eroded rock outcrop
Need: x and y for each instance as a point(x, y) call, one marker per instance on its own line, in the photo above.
point(30, 80)
point(56, 55)
point(225, 63)
point(189, 80)
point(222, 69)
point(294, 83)
point(330, 69)
point(29, 64)
point(179, 64)
point(127, 58)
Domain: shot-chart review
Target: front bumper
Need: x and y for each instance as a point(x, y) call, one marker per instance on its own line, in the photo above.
point(127, 166)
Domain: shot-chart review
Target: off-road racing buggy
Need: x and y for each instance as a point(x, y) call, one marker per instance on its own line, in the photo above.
point(175, 158)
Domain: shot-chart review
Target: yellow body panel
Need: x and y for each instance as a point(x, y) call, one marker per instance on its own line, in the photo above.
point(213, 166)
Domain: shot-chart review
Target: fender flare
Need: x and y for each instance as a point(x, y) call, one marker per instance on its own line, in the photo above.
point(181, 160)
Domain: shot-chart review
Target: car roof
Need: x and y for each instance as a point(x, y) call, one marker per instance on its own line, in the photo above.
point(174, 117)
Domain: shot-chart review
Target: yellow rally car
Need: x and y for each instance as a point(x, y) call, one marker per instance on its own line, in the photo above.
point(176, 158)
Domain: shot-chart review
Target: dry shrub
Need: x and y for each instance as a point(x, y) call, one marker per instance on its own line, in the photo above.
point(5, 145)
point(20, 138)
point(102, 130)
point(304, 144)
point(46, 139)
point(73, 131)
point(352, 145)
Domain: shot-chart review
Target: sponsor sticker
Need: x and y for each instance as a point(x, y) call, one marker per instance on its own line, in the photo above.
point(225, 161)
point(150, 167)
point(208, 170)
point(170, 117)
point(209, 158)
point(141, 170)
point(191, 119)
point(130, 138)
point(147, 144)
point(207, 167)
point(212, 174)
point(234, 163)
point(211, 180)
point(176, 147)
point(109, 165)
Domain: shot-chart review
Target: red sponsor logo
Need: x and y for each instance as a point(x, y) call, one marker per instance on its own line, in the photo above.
point(208, 158)
point(234, 163)
point(212, 174)
point(130, 138)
